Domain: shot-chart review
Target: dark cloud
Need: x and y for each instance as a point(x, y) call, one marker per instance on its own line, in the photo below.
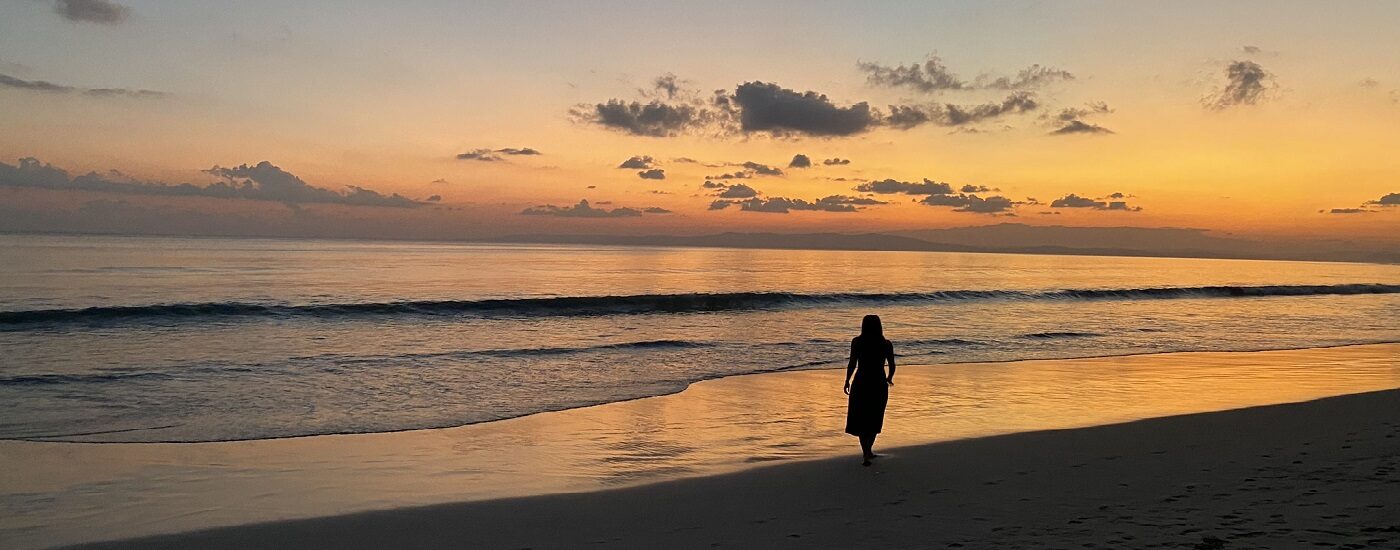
point(976, 189)
point(720, 205)
point(1075, 201)
point(954, 115)
point(783, 205)
point(1080, 127)
point(7, 81)
point(739, 191)
point(494, 155)
point(1251, 50)
point(640, 162)
point(836, 161)
point(740, 175)
point(846, 199)
point(483, 155)
point(800, 161)
point(1033, 76)
point(263, 181)
point(766, 107)
point(91, 11)
point(970, 203)
point(1389, 199)
point(1386, 201)
point(435, 198)
point(930, 77)
point(762, 169)
point(1069, 114)
point(933, 77)
point(654, 119)
point(666, 85)
point(653, 174)
point(713, 185)
point(584, 210)
point(1246, 83)
point(891, 186)
point(439, 181)
point(905, 117)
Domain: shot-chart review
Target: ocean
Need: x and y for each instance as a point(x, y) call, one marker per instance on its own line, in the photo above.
point(145, 339)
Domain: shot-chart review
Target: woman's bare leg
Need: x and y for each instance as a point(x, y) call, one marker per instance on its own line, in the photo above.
point(866, 442)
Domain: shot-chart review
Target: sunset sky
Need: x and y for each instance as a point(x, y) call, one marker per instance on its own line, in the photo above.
point(1250, 118)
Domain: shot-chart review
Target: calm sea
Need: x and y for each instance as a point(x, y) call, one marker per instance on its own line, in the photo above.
point(195, 339)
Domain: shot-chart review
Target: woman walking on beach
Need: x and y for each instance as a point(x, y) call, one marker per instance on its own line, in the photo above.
point(865, 412)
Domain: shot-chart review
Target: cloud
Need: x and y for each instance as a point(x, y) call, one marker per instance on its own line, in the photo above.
point(1075, 201)
point(440, 181)
point(666, 85)
point(7, 81)
point(713, 185)
point(891, 186)
point(934, 77)
point(1389, 199)
point(836, 161)
point(91, 11)
point(1386, 201)
point(434, 198)
point(1080, 127)
point(1020, 102)
point(800, 161)
point(1246, 83)
point(263, 181)
point(653, 119)
point(930, 77)
point(762, 169)
point(970, 203)
point(640, 162)
point(976, 189)
point(584, 210)
point(783, 205)
point(1069, 114)
point(905, 117)
point(653, 174)
point(739, 191)
point(720, 205)
point(494, 155)
point(1251, 50)
point(766, 107)
point(740, 175)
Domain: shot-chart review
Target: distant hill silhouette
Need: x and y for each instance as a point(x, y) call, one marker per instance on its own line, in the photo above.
point(1014, 238)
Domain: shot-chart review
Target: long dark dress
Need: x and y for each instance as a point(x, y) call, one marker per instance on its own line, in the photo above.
point(865, 411)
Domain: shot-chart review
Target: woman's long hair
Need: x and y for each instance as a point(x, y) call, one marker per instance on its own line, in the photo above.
point(871, 330)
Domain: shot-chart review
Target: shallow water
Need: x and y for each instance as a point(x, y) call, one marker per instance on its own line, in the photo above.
point(185, 339)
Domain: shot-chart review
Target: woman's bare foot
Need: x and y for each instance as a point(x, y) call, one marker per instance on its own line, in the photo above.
point(866, 462)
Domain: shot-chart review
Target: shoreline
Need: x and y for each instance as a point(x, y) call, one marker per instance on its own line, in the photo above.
point(1318, 472)
point(55, 439)
point(124, 490)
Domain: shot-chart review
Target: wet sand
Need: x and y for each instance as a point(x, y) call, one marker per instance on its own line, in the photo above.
point(1318, 474)
point(654, 469)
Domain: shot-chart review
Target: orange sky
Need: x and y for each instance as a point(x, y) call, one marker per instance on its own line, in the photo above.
point(386, 97)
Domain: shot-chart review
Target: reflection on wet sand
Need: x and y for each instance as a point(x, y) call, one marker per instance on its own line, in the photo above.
point(58, 493)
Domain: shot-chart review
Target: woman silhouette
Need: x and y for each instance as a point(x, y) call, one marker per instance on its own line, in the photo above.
point(865, 413)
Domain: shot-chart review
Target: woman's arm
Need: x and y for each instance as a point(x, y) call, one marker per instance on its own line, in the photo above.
point(889, 356)
point(850, 368)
